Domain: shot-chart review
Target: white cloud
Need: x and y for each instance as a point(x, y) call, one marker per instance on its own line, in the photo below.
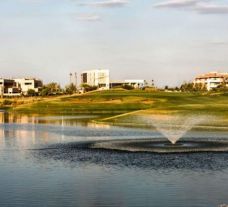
point(176, 4)
point(199, 6)
point(88, 17)
point(208, 8)
point(108, 3)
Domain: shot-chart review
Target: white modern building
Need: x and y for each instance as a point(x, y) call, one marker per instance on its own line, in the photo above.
point(136, 83)
point(18, 87)
point(26, 84)
point(99, 78)
point(8, 87)
point(211, 80)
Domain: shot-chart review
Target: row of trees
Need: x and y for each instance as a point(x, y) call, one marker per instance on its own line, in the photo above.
point(191, 87)
point(198, 87)
point(55, 89)
point(188, 87)
point(52, 89)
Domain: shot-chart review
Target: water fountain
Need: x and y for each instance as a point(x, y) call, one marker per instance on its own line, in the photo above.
point(172, 128)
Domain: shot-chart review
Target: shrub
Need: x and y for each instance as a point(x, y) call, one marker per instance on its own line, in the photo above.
point(88, 88)
point(7, 102)
point(127, 87)
point(70, 89)
point(44, 92)
point(31, 92)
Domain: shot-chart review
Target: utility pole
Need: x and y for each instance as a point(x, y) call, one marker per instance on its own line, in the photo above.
point(76, 79)
point(71, 78)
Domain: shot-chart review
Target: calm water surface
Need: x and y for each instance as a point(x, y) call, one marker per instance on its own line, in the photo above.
point(42, 164)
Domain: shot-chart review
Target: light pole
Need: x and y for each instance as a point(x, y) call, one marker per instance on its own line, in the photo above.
point(76, 79)
point(71, 78)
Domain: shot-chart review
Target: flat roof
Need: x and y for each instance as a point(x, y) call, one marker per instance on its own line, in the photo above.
point(117, 81)
point(212, 75)
point(139, 80)
point(96, 70)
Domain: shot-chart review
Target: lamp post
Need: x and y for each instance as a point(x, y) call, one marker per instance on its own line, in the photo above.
point(71, 78)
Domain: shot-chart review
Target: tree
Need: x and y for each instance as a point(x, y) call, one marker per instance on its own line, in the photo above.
point(187, 87)
point(193, 87)
point(51, 89)
point(54, 88)
point(70, 89)
point(88, 88)
point(44, 92)
point(221, 88)
point(31, 92)
point(127, 87)
point(199, 87)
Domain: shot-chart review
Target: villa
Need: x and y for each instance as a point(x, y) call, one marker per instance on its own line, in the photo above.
point(8, 87)
point(211, 80)
point(18, 87)
point(26, 84)
point(99, 78)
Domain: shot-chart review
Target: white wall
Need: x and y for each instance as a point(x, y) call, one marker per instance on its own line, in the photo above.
point(98, 77)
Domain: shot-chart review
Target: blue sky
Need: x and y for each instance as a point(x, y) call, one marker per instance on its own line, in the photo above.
point(169, 41)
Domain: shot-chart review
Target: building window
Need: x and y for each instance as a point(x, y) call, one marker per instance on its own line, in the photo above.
point(84, 77)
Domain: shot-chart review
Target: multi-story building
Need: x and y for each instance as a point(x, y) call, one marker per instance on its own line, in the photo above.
point(9, 87)
point(99, 78)
point(17, 87)
point(26, 84)
point(212, 80)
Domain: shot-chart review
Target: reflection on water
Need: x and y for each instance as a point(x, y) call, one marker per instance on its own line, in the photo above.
point(45, 163)
point(81, 120)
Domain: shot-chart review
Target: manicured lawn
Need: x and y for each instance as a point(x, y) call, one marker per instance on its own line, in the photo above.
point(115, 102)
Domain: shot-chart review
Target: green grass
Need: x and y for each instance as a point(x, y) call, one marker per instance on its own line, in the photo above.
point(115, 102)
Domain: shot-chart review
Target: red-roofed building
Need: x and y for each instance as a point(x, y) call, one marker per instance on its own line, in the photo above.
point(211, 80)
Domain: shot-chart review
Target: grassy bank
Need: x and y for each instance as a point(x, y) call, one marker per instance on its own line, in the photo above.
point(116, 102)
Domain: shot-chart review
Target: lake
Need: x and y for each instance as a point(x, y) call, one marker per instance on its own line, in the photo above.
point(43, 163)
